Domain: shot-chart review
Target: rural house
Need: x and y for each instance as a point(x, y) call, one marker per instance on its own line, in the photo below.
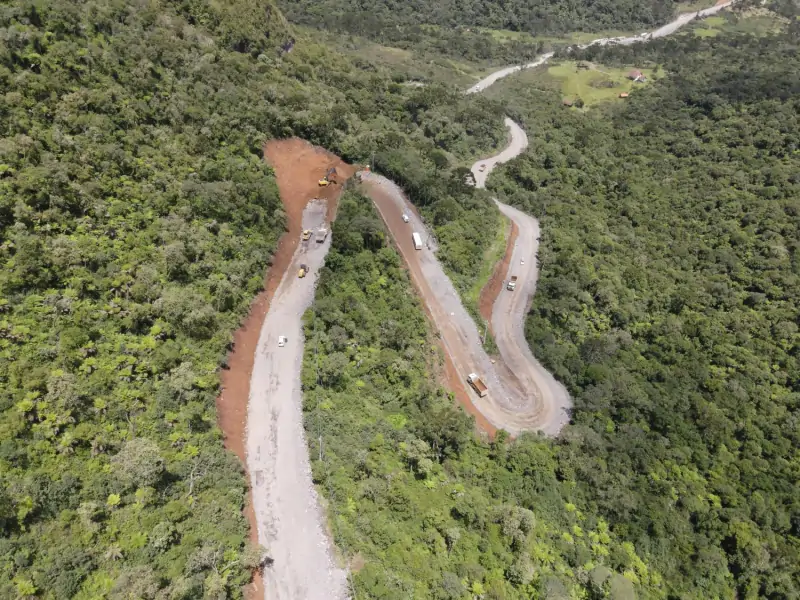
point(637, 75)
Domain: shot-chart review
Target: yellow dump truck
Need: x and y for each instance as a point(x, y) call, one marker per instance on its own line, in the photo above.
point(478, 385)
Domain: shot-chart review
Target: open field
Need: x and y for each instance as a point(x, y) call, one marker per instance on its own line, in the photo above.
point(756, 21)
point(590, 82)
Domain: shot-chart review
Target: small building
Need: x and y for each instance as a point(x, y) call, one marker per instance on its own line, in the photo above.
point(624, 95)
point(637, 75)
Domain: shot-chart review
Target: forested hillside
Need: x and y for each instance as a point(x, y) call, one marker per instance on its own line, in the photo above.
point(669, 305)
point(378, 18)
point(408, 24)
point(419, 506)
point(137, 218)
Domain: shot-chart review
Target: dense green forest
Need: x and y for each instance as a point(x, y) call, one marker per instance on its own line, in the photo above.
point(393, 20)
point(668, 304)
point(137, 218)
point(420, 507)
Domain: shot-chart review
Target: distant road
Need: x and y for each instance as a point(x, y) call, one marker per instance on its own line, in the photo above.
point(663, 31)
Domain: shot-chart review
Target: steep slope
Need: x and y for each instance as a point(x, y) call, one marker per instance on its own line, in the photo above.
point(137, 218)
point(667, 304)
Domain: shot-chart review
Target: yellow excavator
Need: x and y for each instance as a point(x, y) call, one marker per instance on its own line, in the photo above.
point(306, 235)
point(303, 271)
point(330, 177)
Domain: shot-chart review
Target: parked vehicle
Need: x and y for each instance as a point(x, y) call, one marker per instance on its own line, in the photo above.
point(282, 341)
point(306, 235)
point(477, 384)
point(512, 284)
point(405, 218)
point(417, 240)
point(482, 168)
point(303, 271)
point(322, 233)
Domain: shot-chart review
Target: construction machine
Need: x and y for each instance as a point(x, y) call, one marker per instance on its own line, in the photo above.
point(330, 177)
point(303, 271)
point(306, 235)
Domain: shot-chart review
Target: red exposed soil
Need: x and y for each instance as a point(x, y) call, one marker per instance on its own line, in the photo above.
point(298, 167)
point(494, 286)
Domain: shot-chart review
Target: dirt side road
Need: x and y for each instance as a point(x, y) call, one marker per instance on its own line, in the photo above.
point(290, 523)
point(506, 406)
point(298, 165)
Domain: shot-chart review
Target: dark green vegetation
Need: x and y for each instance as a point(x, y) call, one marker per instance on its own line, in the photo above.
point(420, 507)
point(669, 306)
point(136, 220)
point(448, 26)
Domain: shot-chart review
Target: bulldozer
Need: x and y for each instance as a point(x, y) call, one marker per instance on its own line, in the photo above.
point(303, 271)
point(330, 177)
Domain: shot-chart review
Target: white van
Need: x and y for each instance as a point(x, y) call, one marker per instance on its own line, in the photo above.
point(417, 240)
point(405, 218)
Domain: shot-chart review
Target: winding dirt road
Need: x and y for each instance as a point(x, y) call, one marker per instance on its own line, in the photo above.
point(519, 399)
point(523, 395)
point(289, 520)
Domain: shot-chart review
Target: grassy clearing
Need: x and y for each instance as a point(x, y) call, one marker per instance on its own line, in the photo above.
point(757, 21)
point(593, 84)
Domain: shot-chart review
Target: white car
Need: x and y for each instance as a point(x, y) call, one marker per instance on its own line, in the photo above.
point(405, 218)
point(281, 341)
point(522, 261)
point(482, 168)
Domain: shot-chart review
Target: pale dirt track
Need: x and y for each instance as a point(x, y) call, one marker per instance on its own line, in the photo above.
point(507, 406)
point(290, 523)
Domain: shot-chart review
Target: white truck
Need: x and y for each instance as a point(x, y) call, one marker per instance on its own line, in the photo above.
point(417, 240)
point(512, 284)
point(477, 384)
point(322, 233)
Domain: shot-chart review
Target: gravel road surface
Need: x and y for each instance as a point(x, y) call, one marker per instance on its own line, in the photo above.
point(523, 373)
point(508, 405)
point(290, 523)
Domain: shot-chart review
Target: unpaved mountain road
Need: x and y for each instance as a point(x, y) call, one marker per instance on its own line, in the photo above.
point(290, 523)
point(512, 403)
point(523, 396)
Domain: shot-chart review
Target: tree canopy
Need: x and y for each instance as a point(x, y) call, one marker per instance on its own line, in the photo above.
point(668, 304)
